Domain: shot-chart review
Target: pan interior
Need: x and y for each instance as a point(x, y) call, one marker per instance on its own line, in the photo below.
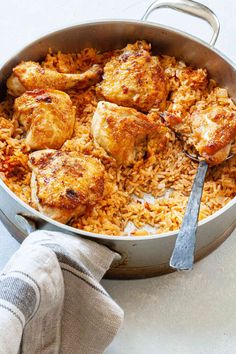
point(108, 35)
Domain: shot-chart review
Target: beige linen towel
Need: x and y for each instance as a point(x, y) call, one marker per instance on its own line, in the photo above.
point(51, 300)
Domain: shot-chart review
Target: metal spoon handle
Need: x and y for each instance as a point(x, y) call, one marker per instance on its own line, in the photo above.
point(183, 255)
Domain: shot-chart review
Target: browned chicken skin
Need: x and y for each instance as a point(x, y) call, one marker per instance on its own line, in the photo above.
point(211, 131)
point(135, 79)
point(47, 116)
point(65, 184)
point(124, 132)
point(214, 130)
point(29, 75)
point(209, 128)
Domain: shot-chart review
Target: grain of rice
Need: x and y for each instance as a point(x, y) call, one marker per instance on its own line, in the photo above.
point(167, 175)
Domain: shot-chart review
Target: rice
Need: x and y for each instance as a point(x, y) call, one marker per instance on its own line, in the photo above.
point(167, 175)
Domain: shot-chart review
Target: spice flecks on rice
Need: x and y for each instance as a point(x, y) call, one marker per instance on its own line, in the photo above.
point(166, 174)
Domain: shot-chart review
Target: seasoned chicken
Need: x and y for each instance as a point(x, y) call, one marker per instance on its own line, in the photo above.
point(29, 75)
point(211, 131)
point(135, 79)
point(124, 132)
point(47, 116)
point(65, 184)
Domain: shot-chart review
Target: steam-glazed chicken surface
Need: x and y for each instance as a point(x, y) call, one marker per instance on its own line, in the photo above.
point(92, 138)
point(65, 184)
point(29, 75)
point(210, 130)
point(124, 132)
point(135, 79)
point(47, 116)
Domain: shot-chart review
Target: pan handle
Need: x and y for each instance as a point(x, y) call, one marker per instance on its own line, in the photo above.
point(190, 7)
point(26, 225)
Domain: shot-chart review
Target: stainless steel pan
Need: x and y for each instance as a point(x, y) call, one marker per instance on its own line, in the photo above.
point(149, 255)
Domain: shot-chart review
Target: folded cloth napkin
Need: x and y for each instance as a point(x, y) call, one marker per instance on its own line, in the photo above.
point(51, 300)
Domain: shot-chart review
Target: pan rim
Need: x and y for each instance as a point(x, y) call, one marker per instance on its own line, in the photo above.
point(104, 236)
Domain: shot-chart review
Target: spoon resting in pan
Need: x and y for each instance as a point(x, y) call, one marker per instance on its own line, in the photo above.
point(183, 254)
point(210, 131)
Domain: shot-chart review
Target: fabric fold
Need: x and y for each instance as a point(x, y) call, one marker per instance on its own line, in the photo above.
point(51, 298)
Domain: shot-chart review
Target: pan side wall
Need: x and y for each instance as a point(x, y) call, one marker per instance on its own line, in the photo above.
point(140, 258)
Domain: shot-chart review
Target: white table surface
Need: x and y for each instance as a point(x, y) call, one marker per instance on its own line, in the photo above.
point(190, 313)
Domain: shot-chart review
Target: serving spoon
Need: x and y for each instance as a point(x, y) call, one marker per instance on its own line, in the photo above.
point(183, 254)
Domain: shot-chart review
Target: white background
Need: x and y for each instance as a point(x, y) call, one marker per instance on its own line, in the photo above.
point(190, 313)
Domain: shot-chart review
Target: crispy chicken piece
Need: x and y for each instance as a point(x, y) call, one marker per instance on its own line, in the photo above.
point(29, 75)
point(214, 130)
point(65, 184)
point(47, 116)
point(211, 131)
point(135, 79)
point(124, 132)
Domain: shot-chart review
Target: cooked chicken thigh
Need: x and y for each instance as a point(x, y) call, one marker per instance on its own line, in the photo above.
point(29, 75)
point(211, 131)
point(214, 130)
point(124, 132)
point(47, 116)
point(65, 184)
point(135, 79)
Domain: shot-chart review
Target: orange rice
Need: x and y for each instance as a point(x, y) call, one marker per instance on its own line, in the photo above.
point(166, 175)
